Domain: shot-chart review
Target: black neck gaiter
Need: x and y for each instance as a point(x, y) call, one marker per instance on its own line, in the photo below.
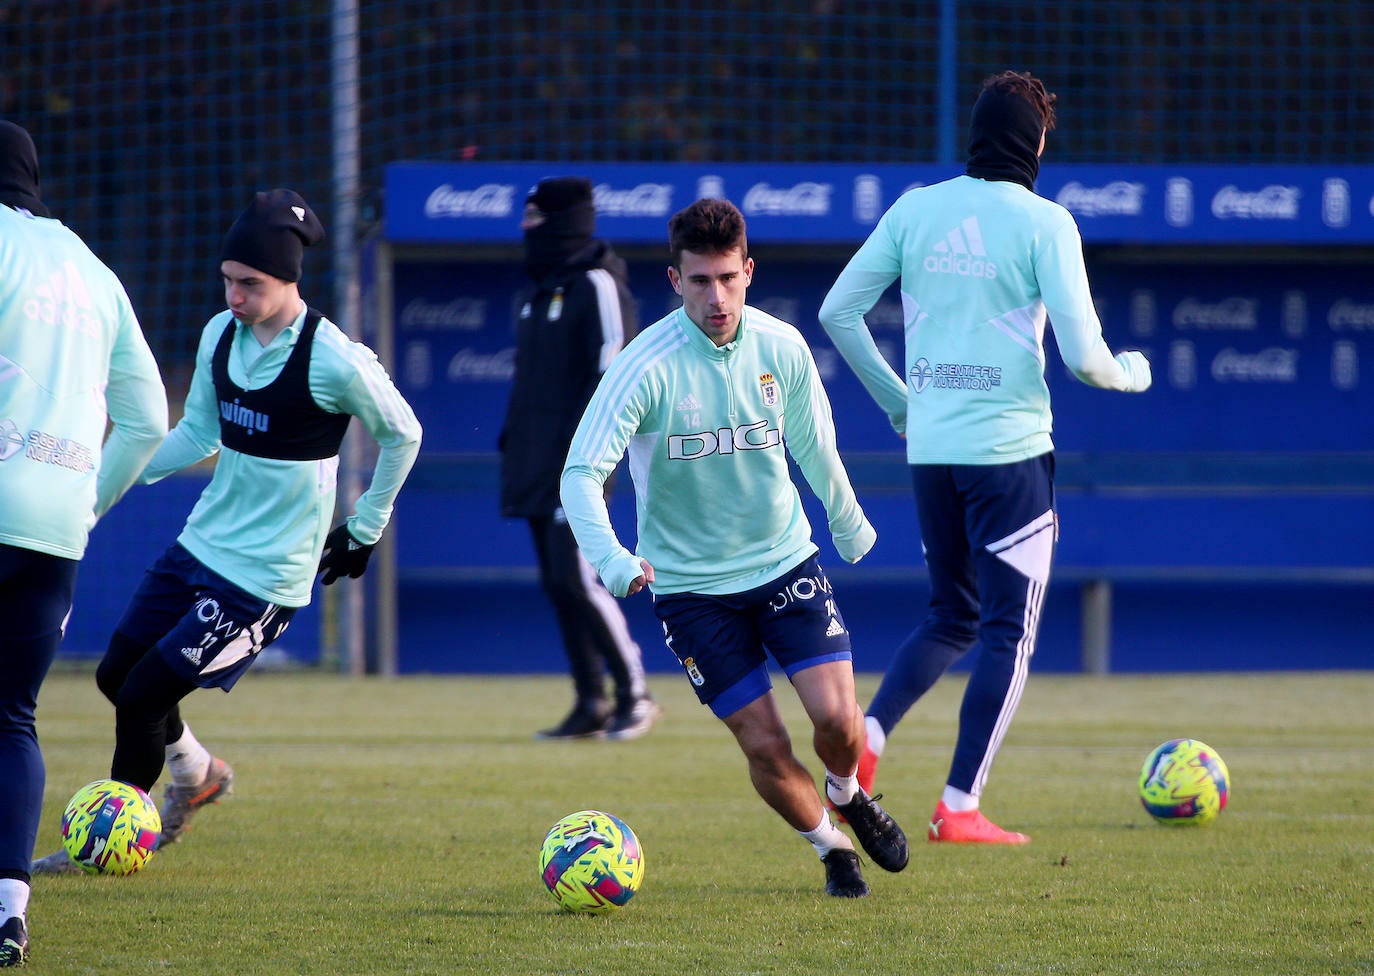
point(19, 170)
point(562, 234)
point(1004, 139)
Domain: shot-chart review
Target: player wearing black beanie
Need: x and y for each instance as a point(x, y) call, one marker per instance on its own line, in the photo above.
point(276, 386)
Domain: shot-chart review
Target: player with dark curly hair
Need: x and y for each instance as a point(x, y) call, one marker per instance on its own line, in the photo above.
point(984, 265)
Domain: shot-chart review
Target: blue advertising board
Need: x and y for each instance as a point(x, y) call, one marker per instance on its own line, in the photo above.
point(1278, 361)
point(840, 203)
point(1245, 358)
point(1271, 357)
point(1268, 358)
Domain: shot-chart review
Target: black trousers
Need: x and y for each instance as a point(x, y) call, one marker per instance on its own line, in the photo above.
point(595, 635)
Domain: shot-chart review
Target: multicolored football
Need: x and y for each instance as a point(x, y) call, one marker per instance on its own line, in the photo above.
point(1184, 782)
point(591, 862)
point(110, 827)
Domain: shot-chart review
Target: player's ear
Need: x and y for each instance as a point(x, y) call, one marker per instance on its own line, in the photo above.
point(675, 279)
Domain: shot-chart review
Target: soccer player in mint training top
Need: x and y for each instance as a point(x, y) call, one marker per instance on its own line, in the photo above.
point(982, 261)
point(273, 391)
point(72, 360)
point(707, 401)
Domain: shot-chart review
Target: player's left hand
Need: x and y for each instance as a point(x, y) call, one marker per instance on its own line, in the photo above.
point(343, 556)
point(1137, 369)
point(853, 546)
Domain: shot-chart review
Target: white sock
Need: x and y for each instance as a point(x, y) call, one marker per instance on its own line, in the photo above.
point(841, 789)
point(877, 738)
point(825, 837)
point(14, 898)
point(187, 760)
point(959, 801)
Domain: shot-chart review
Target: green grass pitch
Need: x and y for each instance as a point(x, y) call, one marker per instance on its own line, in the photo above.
point(389, 826)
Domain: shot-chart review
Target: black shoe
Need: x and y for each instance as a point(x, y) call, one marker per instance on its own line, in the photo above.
point(877, 832)
point(843, 879)
point(633, 719)
point(14, 942)
point(587, 720)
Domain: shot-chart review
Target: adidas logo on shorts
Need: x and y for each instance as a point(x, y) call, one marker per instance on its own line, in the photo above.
point(836, 629)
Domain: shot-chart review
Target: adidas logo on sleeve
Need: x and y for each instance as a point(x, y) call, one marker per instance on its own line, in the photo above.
point(961, 253)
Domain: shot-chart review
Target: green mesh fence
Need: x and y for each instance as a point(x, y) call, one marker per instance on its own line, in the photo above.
point(156, 120)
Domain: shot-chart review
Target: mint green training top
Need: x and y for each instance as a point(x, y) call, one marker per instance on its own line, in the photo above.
point(261, 522)
point(708, 430)
point(72, 359)
point(982, 264)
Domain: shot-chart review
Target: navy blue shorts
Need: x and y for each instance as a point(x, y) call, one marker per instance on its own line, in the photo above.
point(208, 630)
point(723, 641)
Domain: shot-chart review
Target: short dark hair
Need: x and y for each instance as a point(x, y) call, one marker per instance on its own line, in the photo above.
point(1029, 87)
point(709, 226)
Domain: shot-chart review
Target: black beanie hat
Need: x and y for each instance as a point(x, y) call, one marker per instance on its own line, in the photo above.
point(19, 170)
point(561, 193)
point(272, 234)
point(1004, 138)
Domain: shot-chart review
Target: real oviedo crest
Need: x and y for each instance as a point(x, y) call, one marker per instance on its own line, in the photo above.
point(768, 387)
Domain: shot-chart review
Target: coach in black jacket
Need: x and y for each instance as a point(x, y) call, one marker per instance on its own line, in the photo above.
point(574, 317)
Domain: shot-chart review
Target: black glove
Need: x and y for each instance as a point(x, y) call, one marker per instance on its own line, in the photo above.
point(343, 556)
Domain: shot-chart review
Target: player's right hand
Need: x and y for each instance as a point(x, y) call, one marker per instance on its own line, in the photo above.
point(626, 574)
point(639, 582)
